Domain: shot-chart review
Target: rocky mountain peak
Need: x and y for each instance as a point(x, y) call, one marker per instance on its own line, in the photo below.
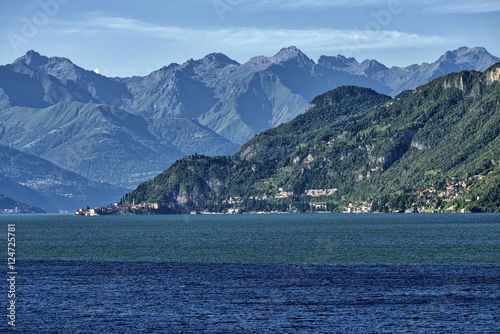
point(289, 53)
point(219, 59)
point(32, 59)
point(36, 61)
point(351, 65)
point(476, 57)
point(290, 50)
point(337, 62)
point(493, 74)
point(373, 66)
point(285, 54)
point(62, 68)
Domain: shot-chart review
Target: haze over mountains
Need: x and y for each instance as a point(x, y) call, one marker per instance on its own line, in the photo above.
point(123, 131)
point(36, 181)
point(104, 143)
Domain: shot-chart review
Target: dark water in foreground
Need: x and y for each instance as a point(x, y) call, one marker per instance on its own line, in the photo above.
point(92, 297)
point(263, 274)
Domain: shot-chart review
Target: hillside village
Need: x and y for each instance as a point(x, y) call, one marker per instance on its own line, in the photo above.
point(121, 209)
point(449, 195)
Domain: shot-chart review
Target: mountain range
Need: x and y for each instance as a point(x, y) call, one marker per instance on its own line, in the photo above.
point(235, 100)
point(354, 144)
point(123, 131)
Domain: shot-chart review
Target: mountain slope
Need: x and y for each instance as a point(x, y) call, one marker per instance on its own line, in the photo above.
point(338, 108)
point(104, 143)
point(447, 129)
point(35, 181)
point(24, 87)
point(8, 205)
point(24, 194)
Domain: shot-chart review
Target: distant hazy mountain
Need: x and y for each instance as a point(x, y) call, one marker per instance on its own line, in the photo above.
point(38, 182)
point(84, 85)
point(235, 100)
point(104, 143)
point(399, 79)
point(8, 205)
point(24, 194)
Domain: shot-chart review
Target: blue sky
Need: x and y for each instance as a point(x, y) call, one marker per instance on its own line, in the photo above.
point(125, 38)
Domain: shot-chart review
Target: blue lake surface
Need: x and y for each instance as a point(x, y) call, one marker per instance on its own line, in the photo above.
point(304, 273)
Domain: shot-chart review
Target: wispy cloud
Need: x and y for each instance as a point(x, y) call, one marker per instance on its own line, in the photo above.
point(430, 6)
point(436, 6)
point(463, 7)
point(308, 3)
point(265, 39)
point(126, 24)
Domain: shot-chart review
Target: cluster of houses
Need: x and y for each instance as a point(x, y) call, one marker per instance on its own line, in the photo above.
point(284, 194)
point(10, 211)
point(118, 209)
point(453, 189)
point(320, 192)
point(362, 207)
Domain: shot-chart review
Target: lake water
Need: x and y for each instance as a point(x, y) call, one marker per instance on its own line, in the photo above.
point(310, 273)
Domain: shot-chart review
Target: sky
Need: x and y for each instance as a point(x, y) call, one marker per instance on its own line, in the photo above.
point(126, 38)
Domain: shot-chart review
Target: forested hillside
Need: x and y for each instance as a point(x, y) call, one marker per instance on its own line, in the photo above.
point(436, 147)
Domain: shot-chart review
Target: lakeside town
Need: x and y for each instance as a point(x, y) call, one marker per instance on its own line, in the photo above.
point(440, 197)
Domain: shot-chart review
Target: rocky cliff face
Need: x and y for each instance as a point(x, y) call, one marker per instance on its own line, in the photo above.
point(493, 75)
